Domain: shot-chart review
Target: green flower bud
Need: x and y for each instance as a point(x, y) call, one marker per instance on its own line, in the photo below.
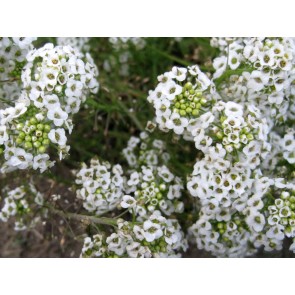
point(40, 127)
point(237, 222)
point(203, 101)
point(199, 94)
point(186, 94)
point(20, 126)
point(22, 135)
point(47, 128)
point(28, 145)
point(37, 144)
point(219, 135)
point(45, 135)
point(46, 141)
point(33, 121)
point(188, 85)
point(195, 112)
point(159, 196)
point(42, 149)
point(32, 127)
point(28, 138)
point(183, 106)
point(188, 110)
point(177, 105)
point(219, 225)
point(250, 136)
point(182, 112)
point(19, 140)
point(198, 105)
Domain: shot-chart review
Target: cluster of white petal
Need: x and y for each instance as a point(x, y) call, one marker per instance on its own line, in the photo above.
point(155, 237)
point(101, 187)
point(55, 83)
point(262, 74)
point(13, 52)
point(18, 203)
point(182, 95)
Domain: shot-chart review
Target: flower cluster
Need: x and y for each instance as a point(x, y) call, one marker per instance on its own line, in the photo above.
point(155, 237)
point(239, 222)
point(288, 146)
point(101, 187)
point(150, 184)
point(246, 158)
point(56, 81)
point(262, 73)
point(182, 95)
point(153, 188)
point(233, 132)
point(19, 203)
point(144, 150)
point(13, 52)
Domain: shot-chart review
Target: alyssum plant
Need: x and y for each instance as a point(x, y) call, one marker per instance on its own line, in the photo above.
point(240, 119)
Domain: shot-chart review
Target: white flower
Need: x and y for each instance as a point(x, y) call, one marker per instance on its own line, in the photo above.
point(219, 65)
point(165, 174)
point(51, 101)
point(3, 134)
point(171, 89)
point(128, 202)
point(57, 115)
point(58, 136)
point(257, 81)
point(234, 60)
point(152, 231)
point(21, 159)
point(134, 179)
point(74, 88)
point(179, 73)
point(256, 221)
point(177, 123)
point(233, 109)
point(41, 162)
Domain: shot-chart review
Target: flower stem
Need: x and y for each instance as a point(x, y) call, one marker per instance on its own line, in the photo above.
point(82, 217)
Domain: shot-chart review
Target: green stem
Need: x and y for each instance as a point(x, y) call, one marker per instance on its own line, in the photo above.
point(6, 101)
point(9, 80)
point(82, 217)
point(172, 57)
point(131, 115)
